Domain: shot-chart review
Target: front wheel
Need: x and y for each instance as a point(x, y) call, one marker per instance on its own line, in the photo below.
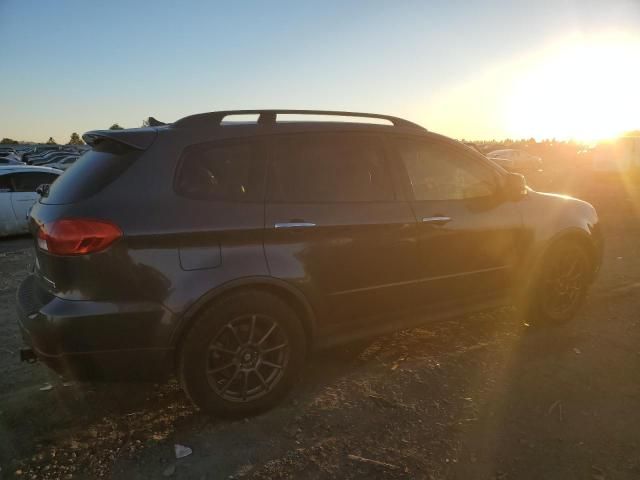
point(561, 285)
point(242, 354)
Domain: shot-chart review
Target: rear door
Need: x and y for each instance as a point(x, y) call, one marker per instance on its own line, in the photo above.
point(469, 234)
point(24, 193)
point(336, 227)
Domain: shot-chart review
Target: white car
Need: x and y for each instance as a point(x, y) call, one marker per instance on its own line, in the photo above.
point(516, 160)
point(18, 186)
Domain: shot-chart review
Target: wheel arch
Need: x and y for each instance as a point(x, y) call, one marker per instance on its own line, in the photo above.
point(531, 269)
point(576, 235)
point(285, 291)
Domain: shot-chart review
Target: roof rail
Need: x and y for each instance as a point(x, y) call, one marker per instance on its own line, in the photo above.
point(268, 117)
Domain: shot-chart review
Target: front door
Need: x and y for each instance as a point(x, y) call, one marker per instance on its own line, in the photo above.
point(468, 232)
point(336, 227)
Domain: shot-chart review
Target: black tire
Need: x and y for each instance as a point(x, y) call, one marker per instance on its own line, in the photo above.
point(560, 286)
point(231, 381)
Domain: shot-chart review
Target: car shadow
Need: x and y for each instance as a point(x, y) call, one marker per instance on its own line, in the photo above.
point(87, 423)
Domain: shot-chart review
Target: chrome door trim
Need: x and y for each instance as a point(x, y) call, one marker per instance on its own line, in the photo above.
point(438, 220)
point(294, 225)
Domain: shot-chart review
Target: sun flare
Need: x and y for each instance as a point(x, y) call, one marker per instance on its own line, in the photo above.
point(584, 89)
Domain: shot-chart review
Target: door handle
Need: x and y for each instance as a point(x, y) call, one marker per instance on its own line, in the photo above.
point(294, 225)
point(436, 220)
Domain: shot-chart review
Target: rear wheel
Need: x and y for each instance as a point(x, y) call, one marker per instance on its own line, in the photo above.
point(242, 354)
point(561, 285)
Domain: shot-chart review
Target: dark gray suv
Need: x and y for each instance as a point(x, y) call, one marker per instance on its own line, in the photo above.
point(226, 251)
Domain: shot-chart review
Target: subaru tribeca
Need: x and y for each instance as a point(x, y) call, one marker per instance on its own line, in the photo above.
point(225, 251)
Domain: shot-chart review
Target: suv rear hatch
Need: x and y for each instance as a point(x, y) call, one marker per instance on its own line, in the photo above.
point(76, 246)
point(113, 151)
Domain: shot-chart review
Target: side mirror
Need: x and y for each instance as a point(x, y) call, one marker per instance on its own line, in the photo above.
point(515, 185)
point(43, 190)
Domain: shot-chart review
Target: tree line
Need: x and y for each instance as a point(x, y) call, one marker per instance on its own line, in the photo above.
point(75, 139)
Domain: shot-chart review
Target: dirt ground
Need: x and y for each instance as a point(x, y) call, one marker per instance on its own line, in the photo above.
point(484, 397)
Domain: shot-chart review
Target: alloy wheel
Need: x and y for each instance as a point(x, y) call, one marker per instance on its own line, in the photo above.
point(247, 358)
point(565, 282)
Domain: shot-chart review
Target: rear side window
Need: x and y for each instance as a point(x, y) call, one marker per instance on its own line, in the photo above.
point(29, 181)
point(222, 171)
point(92, 172)
point(328, 168)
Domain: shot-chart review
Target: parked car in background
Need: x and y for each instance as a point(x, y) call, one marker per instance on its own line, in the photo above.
point(11, 155)
point(473, 146)
point(515, 160)
point(65, 163)
point(10, 161)
point(39, 150)
point(7, 150)
point(621, 155)
point(18, 186)
point(49, 157)
point(60, 156)
point(35, 158)
point(226, 252)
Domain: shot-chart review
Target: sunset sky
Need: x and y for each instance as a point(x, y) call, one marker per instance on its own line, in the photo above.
point(550, 68)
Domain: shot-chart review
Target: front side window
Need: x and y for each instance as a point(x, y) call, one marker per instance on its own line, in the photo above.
point(227, 172)
point(328, 168)
point(440, 172)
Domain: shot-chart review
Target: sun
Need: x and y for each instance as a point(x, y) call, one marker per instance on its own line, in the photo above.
point(585, 89)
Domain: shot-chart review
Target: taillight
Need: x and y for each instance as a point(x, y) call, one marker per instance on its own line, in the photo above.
point(77, 236)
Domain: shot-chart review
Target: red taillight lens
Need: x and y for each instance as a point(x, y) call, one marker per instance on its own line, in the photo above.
point(77, 236)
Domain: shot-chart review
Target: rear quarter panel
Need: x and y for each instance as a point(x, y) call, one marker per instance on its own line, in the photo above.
point(157, 223)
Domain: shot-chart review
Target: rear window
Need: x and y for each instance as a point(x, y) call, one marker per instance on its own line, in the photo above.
point(92, 172)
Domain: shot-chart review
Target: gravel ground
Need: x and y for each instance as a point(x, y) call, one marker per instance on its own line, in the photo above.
point(481, 397)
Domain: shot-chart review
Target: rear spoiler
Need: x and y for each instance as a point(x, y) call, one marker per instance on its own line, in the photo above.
point(138, 138)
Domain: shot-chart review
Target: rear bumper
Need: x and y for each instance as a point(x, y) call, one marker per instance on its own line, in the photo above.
point(95, 340)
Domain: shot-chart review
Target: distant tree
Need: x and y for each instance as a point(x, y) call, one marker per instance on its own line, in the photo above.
point(145, 122)
point(115, 126)
point(8, 141)
point(51, 141)
point(75, 139)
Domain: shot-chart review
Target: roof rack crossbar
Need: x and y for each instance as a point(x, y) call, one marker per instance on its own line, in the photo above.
point(268, 117)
